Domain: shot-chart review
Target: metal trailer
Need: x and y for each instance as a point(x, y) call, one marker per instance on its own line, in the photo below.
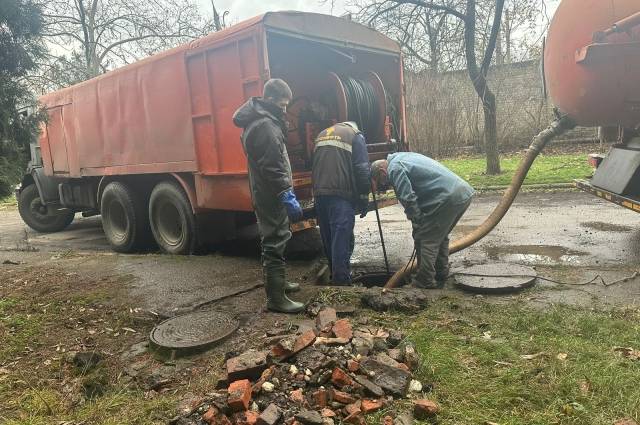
point(592, 72)
point(152, 146)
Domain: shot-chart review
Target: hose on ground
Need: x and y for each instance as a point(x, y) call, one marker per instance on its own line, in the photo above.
point(556, 128)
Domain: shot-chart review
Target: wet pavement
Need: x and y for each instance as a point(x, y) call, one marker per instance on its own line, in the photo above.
point(541, 229)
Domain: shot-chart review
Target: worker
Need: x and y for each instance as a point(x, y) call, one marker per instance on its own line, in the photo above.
point(434, 199)
point(271, 185)
point(341, 184)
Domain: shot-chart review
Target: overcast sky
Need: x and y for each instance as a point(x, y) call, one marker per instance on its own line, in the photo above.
point(239, 10)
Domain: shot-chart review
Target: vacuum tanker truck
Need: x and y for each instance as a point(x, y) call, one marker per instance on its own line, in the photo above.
point(151, 146)
point(592, 73)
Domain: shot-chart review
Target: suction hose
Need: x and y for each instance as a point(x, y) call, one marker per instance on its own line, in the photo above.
point(556, 128)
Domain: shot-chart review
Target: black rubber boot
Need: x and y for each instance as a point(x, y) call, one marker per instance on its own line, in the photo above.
point(274, 284)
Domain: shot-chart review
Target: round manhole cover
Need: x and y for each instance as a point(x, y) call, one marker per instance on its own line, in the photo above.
point(190, 333)
point(496, 278)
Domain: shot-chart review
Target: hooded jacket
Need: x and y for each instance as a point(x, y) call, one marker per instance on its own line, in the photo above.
point(263, 136)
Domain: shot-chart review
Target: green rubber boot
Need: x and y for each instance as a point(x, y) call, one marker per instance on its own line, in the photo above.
point(291, 286)
point(274, 284)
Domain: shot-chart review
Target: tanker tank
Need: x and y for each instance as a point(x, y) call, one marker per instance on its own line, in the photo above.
point(592, 61)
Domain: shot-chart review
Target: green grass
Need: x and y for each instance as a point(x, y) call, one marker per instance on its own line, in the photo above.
point(545, 170)
point(11, 199)
point(472, 352)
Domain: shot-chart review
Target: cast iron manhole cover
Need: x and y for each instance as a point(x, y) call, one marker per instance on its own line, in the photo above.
point(496, 278)
point(190, 333)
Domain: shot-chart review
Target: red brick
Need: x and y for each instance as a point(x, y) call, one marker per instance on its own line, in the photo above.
point(296, 396)
point(245, 418)
point(356, 418)
point(339, 378)
point(255, 390)
point(341, 329)
point(403, 367)
point(370, 406)
point(326, 334)
point(327, 413)
point(196, 403)
point(283, 349)
point(353, 365)
point(349, 409)
point(304, 341)
point(214, 417)
point(387, 420)
point(341, 397)
point(423, 409)
point(320, 398)
point(239, 395)
point(270, 416)
point(326, 317)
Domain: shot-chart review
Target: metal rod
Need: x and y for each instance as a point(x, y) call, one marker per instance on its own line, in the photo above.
point(384, 250)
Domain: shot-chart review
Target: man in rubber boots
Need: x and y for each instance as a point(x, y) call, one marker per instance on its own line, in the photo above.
point(341, 183)
point(270, 182)
point(434, 199)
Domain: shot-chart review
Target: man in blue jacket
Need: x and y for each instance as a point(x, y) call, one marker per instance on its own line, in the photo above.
point(434, 199)
point(271, 185)
point(341, 185)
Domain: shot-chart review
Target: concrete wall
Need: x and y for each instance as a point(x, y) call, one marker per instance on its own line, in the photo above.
point(445, 116)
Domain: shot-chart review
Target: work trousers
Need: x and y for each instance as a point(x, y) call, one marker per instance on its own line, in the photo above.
point(273, 221)
point(336, 220)
point(431, 239)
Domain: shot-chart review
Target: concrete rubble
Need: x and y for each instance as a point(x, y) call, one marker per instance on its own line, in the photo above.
point(336, 372)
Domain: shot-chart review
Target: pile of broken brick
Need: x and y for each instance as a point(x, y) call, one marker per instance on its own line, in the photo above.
point(322, 375)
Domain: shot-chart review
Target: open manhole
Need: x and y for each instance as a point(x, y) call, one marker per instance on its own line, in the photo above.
point(370, 280)
point(496, 278)
point(190, 333)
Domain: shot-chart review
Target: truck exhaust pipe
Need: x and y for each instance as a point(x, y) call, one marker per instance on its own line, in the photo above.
point(561, 124)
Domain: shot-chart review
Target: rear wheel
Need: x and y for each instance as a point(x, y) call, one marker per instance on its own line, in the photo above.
point(39, 216)
point(125, 217)
point(172, 220)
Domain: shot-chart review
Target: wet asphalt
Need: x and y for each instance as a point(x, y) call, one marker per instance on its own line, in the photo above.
point(541, 229)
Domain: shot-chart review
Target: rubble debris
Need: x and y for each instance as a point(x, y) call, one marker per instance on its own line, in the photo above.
point(410, 299)
point(311, 379)
point(423, 409)
point(345, 310)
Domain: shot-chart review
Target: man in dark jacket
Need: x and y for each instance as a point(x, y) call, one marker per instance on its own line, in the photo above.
point(270, 181)
point(434, 199)
point(341, 183)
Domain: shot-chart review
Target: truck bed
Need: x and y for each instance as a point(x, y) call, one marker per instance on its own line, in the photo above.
point(627, 202)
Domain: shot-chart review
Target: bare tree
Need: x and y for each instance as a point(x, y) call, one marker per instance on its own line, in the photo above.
point(485, 36)
point(112, 33)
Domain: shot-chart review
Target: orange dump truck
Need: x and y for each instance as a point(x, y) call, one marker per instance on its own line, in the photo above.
point(152, 147)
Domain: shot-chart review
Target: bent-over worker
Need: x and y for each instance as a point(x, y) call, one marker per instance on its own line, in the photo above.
point(434, 199)
point(271, 185)
point(341, 183)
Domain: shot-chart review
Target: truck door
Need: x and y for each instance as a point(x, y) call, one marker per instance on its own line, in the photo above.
point(221, 79)
point(57, 142)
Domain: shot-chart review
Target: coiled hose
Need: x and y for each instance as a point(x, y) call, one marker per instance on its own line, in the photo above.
point(556, 128)
point(363, 105)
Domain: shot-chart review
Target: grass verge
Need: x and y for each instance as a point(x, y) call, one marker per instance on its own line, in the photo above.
point(545, 170)
point(512, 364)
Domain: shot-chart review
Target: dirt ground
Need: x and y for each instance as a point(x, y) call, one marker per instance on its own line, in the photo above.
point(67, 292)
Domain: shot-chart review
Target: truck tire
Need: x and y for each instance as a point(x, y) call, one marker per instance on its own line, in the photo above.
point(125, 218)
point(37, 216)
point(172, 220)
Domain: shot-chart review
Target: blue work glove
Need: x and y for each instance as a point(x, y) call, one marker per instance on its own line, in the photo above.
point(363, 207)
point(294, 211)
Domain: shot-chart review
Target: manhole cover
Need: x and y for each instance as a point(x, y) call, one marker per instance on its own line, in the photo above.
point(496, 278)
point(190, 333)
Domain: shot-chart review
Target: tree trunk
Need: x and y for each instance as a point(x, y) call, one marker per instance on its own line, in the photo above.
point(491, 133)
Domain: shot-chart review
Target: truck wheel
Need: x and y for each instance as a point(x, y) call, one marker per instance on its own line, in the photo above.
point(37, 216)
point(172, 220)
point(125, 218)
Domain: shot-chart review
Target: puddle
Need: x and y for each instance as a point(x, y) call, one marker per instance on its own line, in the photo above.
point(534, 254)
point(606, 227)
